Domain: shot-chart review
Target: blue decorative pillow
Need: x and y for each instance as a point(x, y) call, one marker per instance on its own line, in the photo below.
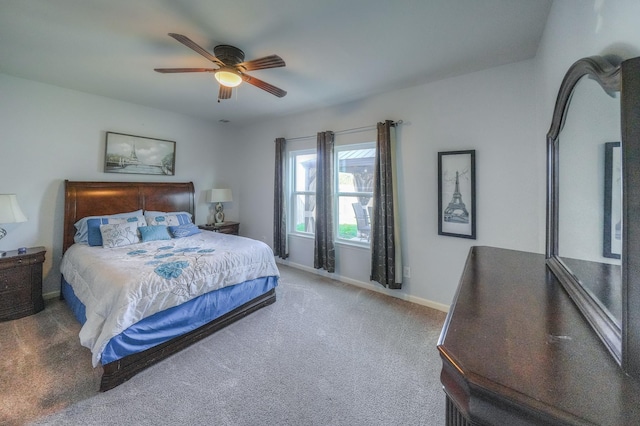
point(81, 234)
point(119, 234)
point(169, 219)
point(154, 233)
point(182, 231)
point(94, 234)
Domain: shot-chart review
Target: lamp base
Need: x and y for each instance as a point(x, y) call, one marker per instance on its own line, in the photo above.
point(219, 216)
point(2, 234)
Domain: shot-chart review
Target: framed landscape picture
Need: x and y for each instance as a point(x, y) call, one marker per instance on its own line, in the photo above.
point(457, 194)
point(612, 235)
point(139, 155)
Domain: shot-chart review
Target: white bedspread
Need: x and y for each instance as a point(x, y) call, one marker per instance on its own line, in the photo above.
point(120, 286)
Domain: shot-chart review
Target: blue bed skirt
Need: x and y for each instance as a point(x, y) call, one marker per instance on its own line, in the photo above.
point(164, 326)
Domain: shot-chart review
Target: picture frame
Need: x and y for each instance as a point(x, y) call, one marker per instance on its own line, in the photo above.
point(612, 226)
point(139, 155)
point(457, 194)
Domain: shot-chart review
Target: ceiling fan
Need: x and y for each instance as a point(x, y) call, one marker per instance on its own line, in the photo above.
point(232, 67)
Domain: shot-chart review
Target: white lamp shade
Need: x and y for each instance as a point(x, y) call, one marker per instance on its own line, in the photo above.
point(10, 211)
point(219, 196)
point(228, 78)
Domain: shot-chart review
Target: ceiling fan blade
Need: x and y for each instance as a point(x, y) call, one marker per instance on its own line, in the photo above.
point(193, 46)
point(171, 70)
point(271, 61)
point(264, 86)
point(224, 92)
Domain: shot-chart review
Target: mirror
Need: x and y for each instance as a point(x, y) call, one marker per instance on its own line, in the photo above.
point(593, 200)
point(590, 135)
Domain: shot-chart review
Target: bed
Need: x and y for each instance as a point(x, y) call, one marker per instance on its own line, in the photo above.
point(230, 277)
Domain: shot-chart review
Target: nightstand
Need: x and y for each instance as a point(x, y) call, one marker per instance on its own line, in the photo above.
point(21, 283)
point(226, 227)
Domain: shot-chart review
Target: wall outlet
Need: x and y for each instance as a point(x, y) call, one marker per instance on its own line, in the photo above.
point(406, 272)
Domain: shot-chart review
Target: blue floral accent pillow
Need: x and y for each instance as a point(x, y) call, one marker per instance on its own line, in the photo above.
point(154, 233)
point(94, 235)
point(119, 234)
point(182, 231)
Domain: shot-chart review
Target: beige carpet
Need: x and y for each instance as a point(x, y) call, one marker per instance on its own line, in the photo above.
point(43, 368)
point(324, 353)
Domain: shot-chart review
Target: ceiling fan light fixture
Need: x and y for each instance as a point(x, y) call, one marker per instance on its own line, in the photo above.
point(228, 78)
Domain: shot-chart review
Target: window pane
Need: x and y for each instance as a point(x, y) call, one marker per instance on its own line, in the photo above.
point(304, 213)
point(355, 192)
point(355, 170)
point(354, 222)
point(305, 169)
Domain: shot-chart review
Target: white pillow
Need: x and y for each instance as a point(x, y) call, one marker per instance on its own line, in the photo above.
point(156, 213)
point(167, 219)
point(81, 235)
point(119, 234)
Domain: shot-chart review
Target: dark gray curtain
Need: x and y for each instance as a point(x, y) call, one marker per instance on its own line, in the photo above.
point(386, 260)
point(324, 252)
point(280, 247)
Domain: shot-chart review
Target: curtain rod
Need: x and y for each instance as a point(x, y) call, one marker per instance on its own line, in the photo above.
point(337, 132)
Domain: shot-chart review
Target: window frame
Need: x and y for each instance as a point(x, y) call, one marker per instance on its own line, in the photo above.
point(293, 193)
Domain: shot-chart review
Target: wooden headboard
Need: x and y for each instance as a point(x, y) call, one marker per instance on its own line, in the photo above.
point(82, 199)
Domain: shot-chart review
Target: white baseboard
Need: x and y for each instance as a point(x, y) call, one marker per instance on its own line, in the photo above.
point(369, 286)
point(51, 295)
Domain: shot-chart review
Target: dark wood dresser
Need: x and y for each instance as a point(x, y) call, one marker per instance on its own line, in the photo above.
point(21, 283)
point(516, 351)
point(226, 227)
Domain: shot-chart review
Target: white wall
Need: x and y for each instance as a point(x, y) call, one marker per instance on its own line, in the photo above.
point(577, 29)
point(489, 111)
point(49, 134)
point(504, 113)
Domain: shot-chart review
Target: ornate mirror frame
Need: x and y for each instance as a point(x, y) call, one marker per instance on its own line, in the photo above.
point(623, 342)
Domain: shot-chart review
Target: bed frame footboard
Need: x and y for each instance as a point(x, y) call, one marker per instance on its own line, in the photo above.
point(117, 372)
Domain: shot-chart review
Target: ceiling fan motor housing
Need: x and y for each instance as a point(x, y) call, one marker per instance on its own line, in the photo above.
point(230, 55)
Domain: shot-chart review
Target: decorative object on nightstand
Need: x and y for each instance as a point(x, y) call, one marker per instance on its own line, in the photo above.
point(228, 227)
point(219, 196)
point(21, 283)
point(10, 212)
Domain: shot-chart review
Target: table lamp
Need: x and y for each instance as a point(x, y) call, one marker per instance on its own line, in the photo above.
point(219, 196)
point(10, 212)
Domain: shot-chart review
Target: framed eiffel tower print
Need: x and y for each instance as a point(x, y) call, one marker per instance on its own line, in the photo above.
point(139, 155)
point(457, 194)
point(612, 238)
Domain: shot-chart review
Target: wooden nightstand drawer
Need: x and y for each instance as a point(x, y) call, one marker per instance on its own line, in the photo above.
point(16, 298)
point(14, 262)
point(228, 227)
point(12, 279)
point(21, 283)
point(232, 228)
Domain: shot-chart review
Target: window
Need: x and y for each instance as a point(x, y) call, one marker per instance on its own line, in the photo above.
point(354, 191)
point(303, 194)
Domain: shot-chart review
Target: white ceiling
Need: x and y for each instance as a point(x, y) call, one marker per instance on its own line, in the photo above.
point(335, 50)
